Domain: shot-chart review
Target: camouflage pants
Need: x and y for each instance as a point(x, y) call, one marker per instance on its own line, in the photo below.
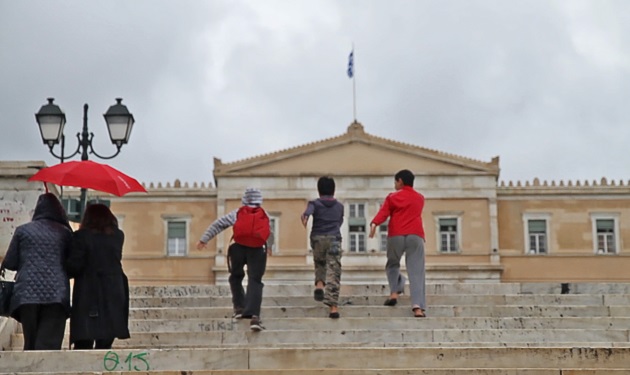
point(327, 259)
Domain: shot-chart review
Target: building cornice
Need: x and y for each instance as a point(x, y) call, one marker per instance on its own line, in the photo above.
point(566, 188)
point(12, 169)
point(354, 134)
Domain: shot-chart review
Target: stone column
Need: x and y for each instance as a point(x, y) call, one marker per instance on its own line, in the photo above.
point(494, 231)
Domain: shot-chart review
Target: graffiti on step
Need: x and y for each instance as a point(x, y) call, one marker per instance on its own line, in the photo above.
point(133, 362)
point(217, 325)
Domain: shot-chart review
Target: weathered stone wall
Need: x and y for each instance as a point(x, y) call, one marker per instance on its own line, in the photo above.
point(17, 197)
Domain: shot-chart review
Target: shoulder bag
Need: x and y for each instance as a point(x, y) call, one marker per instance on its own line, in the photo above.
point(6, 292)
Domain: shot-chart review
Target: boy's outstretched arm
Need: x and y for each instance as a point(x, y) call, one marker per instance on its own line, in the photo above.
point(382, 215)
point(304, 220)
point(269, 244)
point(310, 208)
point(372, 230)
point(218, 226)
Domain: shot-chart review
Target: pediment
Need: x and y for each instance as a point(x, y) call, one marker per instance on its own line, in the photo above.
point(355, 153)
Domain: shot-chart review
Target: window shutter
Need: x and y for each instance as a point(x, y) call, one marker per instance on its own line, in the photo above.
point(355, 221)
point(177, 229)
point(537, 226)
point(605, 225)
point(451, 222)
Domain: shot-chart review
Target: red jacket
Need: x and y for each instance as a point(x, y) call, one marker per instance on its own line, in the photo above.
point(404, 209)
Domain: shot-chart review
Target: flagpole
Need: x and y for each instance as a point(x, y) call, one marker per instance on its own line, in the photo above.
point(354, 96)
point(354, 88)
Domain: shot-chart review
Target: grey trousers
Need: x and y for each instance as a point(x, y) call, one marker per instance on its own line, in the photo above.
point(413, 248)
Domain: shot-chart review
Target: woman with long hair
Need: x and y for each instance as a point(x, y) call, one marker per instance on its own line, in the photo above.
point(100, 297)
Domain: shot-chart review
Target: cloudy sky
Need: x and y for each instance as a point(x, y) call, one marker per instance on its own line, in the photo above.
point(542, 84)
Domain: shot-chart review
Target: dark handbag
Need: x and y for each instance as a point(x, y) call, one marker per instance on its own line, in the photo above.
point(6, 292)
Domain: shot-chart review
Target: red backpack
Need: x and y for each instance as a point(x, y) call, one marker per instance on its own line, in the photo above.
point(252, 227)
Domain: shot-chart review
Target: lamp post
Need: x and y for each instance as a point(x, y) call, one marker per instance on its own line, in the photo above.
point(51, 121)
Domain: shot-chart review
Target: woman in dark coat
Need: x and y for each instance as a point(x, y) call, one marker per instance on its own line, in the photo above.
point(100, 298)
point(41, 295)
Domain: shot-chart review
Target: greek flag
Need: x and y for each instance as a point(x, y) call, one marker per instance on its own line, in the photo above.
point(351, 64)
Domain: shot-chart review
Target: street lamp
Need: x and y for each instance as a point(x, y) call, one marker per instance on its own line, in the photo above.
point(51, 121)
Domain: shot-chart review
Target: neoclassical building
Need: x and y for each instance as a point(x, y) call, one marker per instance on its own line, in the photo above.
point(477, 229)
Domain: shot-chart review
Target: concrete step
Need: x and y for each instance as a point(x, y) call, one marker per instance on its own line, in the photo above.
point(307, 290)
point(544, 358)
point(225, 324)
point(187, 329)
point(504, 311)
point(453, 299)
point(347, 345)
point(375, 337)
point(383, 289)
point(452, 371)
point(228, 324)
point(373, 323)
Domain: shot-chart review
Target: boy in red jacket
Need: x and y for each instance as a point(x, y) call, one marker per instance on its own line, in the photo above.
point(405, 235)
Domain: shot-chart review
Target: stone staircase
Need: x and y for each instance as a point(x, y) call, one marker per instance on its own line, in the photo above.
point(479, 329)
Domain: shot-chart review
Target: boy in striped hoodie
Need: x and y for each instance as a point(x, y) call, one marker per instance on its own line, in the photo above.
point(249, 248)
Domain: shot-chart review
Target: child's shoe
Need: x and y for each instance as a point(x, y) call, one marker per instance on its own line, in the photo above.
point(238, 313)
point(318, 294)
point(255, 324)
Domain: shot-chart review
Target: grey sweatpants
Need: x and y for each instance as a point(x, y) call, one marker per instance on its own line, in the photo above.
point(413, 248)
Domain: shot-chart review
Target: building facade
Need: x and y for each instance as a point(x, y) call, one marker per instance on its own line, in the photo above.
point(477, 229)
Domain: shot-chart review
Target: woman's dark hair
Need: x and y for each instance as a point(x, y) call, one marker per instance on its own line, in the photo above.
point(326, 186)
point(406, 176)
point(99, 218)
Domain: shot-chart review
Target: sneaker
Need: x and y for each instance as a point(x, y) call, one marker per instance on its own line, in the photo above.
point(318, 294)
point(238, 313)
point(391, 302)
point(256, 325)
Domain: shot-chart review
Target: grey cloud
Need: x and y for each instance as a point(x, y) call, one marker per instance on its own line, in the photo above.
point(539, 83)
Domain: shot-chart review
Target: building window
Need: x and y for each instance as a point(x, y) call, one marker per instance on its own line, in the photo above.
point(274, 223)
point(356, 227)
point(606, 241)
point(537, 236)
point(536, 230)
point(357, 239)
point(72, 207)
point(357, 210)
point(176, 238)
point(448, 235)
point(382, 231)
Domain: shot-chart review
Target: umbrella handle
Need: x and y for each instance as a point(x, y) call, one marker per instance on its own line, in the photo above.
point(46, 186)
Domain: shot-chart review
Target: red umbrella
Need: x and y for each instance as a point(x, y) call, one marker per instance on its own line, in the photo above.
point(90, 175)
